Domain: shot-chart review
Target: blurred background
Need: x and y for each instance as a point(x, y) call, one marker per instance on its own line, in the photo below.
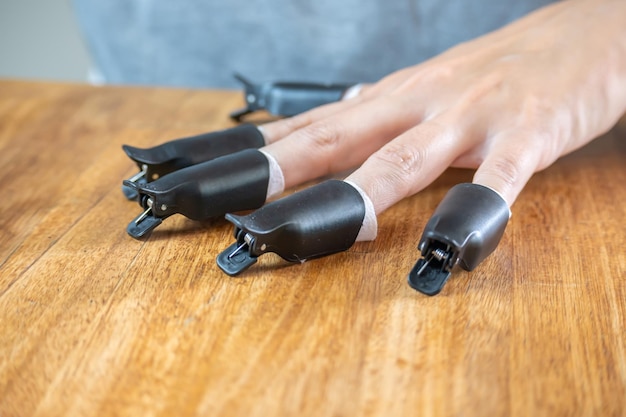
point(40, 39)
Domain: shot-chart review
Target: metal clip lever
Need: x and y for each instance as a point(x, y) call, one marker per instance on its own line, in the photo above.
point(241, 255)
point(315, 222)
point(464, 229)
point(171, 156)
point(229, 183)
point(287, 98)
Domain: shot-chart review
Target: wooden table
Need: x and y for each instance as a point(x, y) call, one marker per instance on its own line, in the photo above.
point(94, 322)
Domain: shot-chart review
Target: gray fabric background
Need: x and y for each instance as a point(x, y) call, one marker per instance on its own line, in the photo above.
point(199, 43)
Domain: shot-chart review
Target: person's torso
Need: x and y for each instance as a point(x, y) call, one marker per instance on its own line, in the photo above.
point(200, 43)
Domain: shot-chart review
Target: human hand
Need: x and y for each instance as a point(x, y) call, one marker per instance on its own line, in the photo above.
point(509, 103)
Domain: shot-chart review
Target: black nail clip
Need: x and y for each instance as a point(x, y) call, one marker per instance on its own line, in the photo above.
point(171, 156)
point(464, 229)
point(317, 221)
point(229, 183)
point(287, 98)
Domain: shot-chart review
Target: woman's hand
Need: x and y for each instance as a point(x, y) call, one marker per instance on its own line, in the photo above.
point(509, 104)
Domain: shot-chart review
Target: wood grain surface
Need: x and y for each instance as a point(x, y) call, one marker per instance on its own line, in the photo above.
point(93, 322)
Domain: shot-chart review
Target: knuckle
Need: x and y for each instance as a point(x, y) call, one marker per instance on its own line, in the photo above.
point(534, 107)
point(295, 122)
point(442, 71)
point(481, 89)
point(404, 162)
point(508, 169)
point(322, 136)
point(421, 76)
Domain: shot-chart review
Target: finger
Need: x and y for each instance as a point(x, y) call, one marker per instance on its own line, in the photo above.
point(343, 140)
point(509, 164)
point(410, 162)
point(277, 130)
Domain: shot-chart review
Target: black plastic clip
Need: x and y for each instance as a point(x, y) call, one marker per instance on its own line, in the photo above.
point(171, 156)
point(464, 229)
point(229, 183)
point(315, 222)
point(286, 98)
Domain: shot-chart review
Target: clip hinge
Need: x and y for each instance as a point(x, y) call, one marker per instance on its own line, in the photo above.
point(431, 272)
point(139, 178)
point(239, 256)
point(145, 222)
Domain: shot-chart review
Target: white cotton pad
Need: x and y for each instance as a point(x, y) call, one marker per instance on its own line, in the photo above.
point(276, 183)
point(369, 228)
point(260, 128)
point(352, 92)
